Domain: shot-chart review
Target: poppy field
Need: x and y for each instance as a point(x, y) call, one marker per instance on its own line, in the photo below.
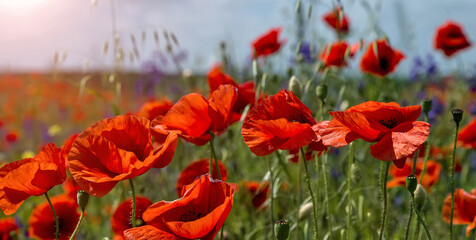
point(256, 152)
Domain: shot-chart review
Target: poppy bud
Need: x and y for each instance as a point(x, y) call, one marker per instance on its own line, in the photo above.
point(426, 106)
point(411, 183)
point(305, 210)
point(295, 86)
point(420, 196)
point(321, 91)
point(83, 199)
point(355, 173)
point(281, 229)
point(457, 115)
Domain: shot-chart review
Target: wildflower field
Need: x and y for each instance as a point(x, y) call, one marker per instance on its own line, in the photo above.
point(330, 140)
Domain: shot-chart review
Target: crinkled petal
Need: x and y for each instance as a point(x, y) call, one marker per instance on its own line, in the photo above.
point(148, 232)
point(403, 141)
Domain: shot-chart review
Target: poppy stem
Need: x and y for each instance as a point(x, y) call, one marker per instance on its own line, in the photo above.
point(326, 193)
point(213, 156)
point(383, 185)
point(420, 219)
point(452, 172)
point(349, 182)
point(415, 157)
point(133, 219)
point(271, 200)
point(76, 230)
point(308, 181)
point(54, 214)
point(427, 155)
point(407, 231)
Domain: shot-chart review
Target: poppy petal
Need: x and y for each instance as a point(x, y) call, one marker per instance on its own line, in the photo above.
point(147, 232)
point(220, 105)
point(403, 141)
point(190, 115)
point(264, 137)
point(359, 124)
point(200, 227)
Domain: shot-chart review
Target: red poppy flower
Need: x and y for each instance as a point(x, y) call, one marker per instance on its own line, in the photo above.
point(199, 214)
point(7, 225)
point(450, 38)
point(259, 192)
point(192, 117)
point(197, 169)
point(280, 121)
point(246, 91)
point(121, 219)
point(31, 176)
point(338, 53)
point(116, 149)
point(11, 137)
point(153, 108)
point(337, 20)
point(380, 58)
point(464, 211)
point(431, 176)
point(394, 129)
point(467, 135)
point(42, 221)
point(267, 43)
point(335, 55)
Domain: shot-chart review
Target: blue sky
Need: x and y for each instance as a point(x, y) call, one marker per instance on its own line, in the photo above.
point(31, 35)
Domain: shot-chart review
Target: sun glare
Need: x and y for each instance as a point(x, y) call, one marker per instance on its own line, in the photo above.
point(19, 3)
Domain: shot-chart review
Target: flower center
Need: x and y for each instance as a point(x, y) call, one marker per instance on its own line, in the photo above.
point(389, 123)
point(300, 118)
point(383, 63)
point(190, 215)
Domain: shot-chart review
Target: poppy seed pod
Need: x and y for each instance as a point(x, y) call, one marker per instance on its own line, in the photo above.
point(426, 106)
point(420, 196)
point(83, 199)
point(457, 115)
point(295, 86)
point(281, 229)
point(411, 183)
point(321, 91)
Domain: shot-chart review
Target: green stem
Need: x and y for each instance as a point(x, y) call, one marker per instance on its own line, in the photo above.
point(271, 205)
point(415, 158)
point(417, 231)
point(326, 197)
point(420, 219)
point(407, 231)
point(453, 181)
point(133, 219)
point(349, 195)
point(383, 185)
point(309, 187)
point(427, 154)
point(213, 156)
point(284, 167)
point(54, 214)
point(76, 230)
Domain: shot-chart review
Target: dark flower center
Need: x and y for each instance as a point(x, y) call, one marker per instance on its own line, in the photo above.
point(190, 215)
point(389, 123)
point(383, 63)
point(300, 118)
